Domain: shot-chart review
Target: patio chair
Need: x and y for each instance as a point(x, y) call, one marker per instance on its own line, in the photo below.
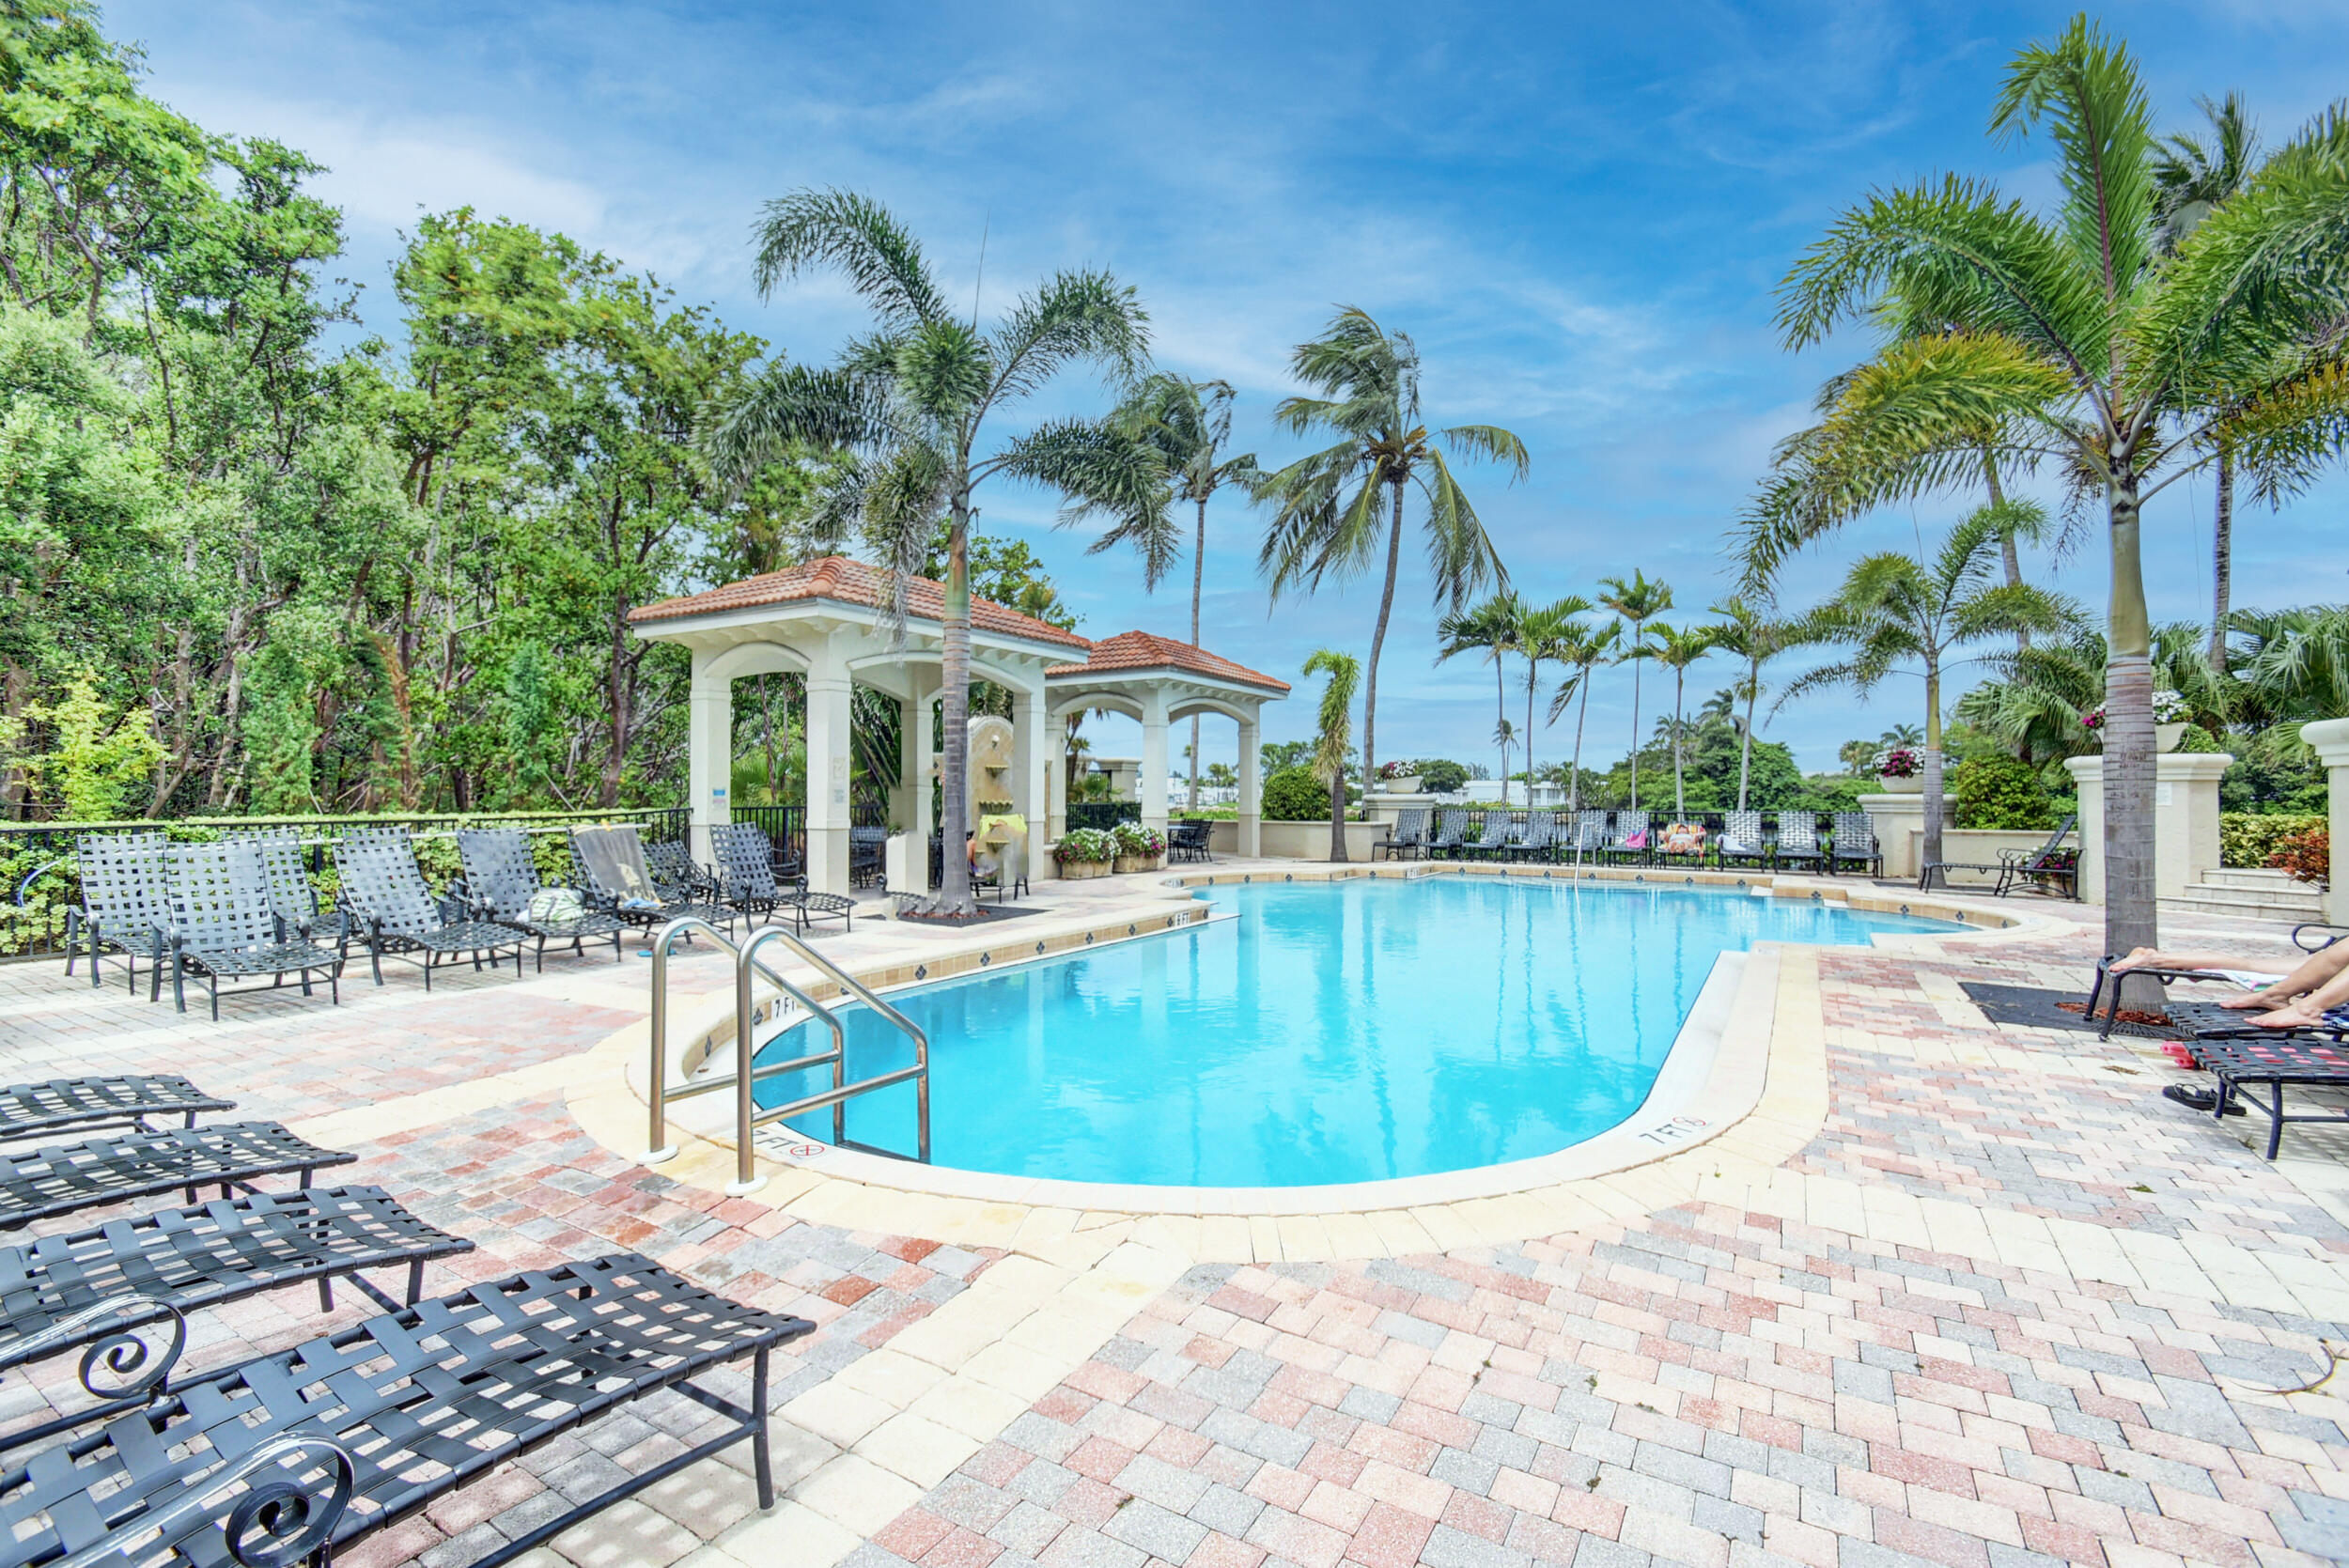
point(53, 1179)
point(2314, 936)
point(1188, 840)
point(2241, 1055)
point(1493, 834)
point(868, 852)
point(392, 914)
point(809, 907)
point(290, 893)
point(1742, 841)
point(1856, 843)
point(125, 905)
point(2051, 867)
point(29, 1109)
point(502, 885)
point(1409, 834)
point(1537, 840)
point(424, 1402)
point(225, 927)
point(1799, 840)
point(615, 879)
point(1451, 832)
point(1681, 841)
point(1590, 835)
point(1632, 839)
point(746, 871)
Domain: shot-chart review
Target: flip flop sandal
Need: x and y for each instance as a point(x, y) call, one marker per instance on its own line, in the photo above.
point(2203, 1100)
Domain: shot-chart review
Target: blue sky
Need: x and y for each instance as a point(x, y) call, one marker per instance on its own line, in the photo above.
point(1580, 217)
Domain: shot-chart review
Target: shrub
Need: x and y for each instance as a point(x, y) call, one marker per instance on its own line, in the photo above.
point(2000, 792)
point(1084, 844)
point(2307, 856)
point(2248, 838)
point(1293, 795)
point(1133, 838)
point(1437, 776)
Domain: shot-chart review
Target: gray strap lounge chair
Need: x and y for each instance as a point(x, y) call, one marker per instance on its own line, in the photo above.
point(1451, 832)
point(85, 1103)
point(1492, 835)
point(225, 927)
point(125, 904)
point(1856, 843)
point(1590, 835)
point(746, 870)
point(1799, 840)
point(60, 1179)
point(2241, 1055)
point(1537, 840)
point(1406, 838)
point(395, 915)
point(1630, 825)
point(613, 875)
point(502, 885)
point(2051, 867)
point(1742, 840)
point(282, 864)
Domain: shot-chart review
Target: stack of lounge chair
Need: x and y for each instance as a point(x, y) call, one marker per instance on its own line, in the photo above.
point(394, 915)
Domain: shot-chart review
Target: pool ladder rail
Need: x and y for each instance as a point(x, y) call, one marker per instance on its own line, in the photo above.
point(748, 1117)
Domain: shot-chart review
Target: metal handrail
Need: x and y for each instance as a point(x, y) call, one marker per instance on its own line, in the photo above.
point(743, 1079)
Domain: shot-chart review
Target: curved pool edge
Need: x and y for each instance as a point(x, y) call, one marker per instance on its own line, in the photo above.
point(1762, 1099)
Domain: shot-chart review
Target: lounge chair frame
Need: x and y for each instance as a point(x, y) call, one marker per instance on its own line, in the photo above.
point(1495, 832)
point(502, 878)
point(1451, 832)
point(1798, 840)
point(55, 1179)
point(125, 904)
point(85, 1103)
point(1535, 839)
point(613, 900)
point(1629, 825)
point(394, 915)
point(225, 926)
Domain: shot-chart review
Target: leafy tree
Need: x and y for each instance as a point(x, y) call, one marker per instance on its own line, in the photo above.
point(1275, 756)
point(2296, 663)
point(1441, 776)
point(1677, 649)
point(1636, 601)
point(1583, 650)
point(1491, 629)
point(1334, 741)
point(1326, 523)
point(100, 759)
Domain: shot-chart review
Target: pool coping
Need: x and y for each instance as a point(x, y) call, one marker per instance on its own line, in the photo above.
point(1761, 1098)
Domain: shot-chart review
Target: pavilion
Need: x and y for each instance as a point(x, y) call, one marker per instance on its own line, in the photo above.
point(827, 621)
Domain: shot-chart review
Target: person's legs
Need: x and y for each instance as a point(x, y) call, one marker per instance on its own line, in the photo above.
point(2155, 958)
point(2310, 1010)
point(2317, 973)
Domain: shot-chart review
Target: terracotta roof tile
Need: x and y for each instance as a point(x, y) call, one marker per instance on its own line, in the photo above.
point(847, 581)
point(1139, 650)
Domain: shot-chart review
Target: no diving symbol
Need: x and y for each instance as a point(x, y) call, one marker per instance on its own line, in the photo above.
point(803, 1151)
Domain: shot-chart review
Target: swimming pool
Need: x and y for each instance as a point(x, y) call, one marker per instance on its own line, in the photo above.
point(1338, 1031)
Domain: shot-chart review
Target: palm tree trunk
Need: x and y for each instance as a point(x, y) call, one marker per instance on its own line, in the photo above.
point(2222, 561)
point(2131, 920)
point(1680, 795)
point(1337, 818)
point(2007, 555)
point(1744, 747)
point(1198, 581)
point(954, 764)
point(1378, 639)
point(1500, 712)
point(1582, 711)
point(1635, 719)
point(1932, 850)
point(1532, 674)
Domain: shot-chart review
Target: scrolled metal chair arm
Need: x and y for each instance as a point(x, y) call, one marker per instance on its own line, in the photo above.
point(271, 1523)
point(119, 1352)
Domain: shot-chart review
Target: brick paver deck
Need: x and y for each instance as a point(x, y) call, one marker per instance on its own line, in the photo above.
point(2007, 1308)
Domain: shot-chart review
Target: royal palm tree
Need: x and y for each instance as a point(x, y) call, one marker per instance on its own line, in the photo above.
point(1636, 601)
point(1895, 610)
point(1582, 649)
point(2124, 372)
point(1677, 649)
point(1493, 629)
point(1187, 423)
point(1335, 735)
point(1333, 510)
point(1547, 635)
point(1752, 633)
point(908, 404)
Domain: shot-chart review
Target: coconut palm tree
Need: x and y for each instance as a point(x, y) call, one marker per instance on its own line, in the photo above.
point(1581, 650)
point(1493, 629)
point(1335, 735)
point(1895, 610)
point(1677, 649)
point(1326, 522)
point(2122, 371)
point(1187, 423)
point(1751, 633)
point(908, 405)
point(1636, 601)
point(1544, 636)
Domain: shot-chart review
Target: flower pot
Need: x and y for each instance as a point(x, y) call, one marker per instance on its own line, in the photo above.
point(2166, 737)
point(1128, 865)
point(1913, 785)
point(1406, 784)
point(1077, 871)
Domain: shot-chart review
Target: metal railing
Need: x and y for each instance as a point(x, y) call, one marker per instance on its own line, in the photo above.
point(743, 1081)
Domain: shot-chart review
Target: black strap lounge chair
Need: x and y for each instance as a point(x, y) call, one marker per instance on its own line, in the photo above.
point(424, 1402)
point(745, 870)
point(395, 915)
point(60, 1179)
point(1406, 838)
point(2272, 1058)
point(290, 894)
point(809, 907)
point(1590, 835)
point(1451, 832)
point(1799, 840)
point(1742, 841)
point(1856, 843)
point(675, 877)
point(2051, 867)
point(502, 885)
point(867, 856)
point(1189, 841)
point(1492, 836)
point(613, 875)
point(29, 1109)
point(1537, 840)
point(225, 927)
point(1630, 825)
point(125, 905)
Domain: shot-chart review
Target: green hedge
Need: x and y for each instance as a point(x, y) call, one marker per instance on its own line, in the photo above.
point(1295, 795)
point(2247, 838)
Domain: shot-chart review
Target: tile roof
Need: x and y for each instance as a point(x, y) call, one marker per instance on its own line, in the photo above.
point(1139, 650)
point(847, 581)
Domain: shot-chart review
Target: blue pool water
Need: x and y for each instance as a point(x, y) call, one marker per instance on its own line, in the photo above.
point(1334, 1032)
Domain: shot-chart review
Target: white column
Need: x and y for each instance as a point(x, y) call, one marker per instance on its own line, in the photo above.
point(1031, 774)
point(2186, 821)
point(1151, 790)
point(922, 761)
point(828, 754)
point(1056, 745)
point(1251, 792)
point(2331, 736)
point(708, 752)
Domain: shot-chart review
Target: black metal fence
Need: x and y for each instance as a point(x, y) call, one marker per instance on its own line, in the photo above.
point(1103, 815)
point(785, 827)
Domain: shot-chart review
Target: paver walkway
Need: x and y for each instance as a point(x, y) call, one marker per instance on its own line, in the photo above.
point(2008, 1306)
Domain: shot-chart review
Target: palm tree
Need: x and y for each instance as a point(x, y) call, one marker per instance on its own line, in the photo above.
point(1326, 523)
point(1753, 634)
point(1636, 602)
point(2297, 665)
point(1677, 649)
point(1583, 650)
point(1187, 424)
point(1546, 636)
point(1490, 629)
point(2069, 332)
point(1894, 609)
point(1336, 733)
point(909, 403)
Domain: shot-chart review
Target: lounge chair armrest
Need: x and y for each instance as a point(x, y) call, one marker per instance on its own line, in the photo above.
point(268, 1515)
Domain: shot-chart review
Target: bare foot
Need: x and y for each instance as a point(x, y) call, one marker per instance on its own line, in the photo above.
point(2136, 960)
point(2254, 1001)
point(2289, 1017)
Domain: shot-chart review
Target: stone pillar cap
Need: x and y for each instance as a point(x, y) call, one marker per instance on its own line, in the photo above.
point(2330, 738)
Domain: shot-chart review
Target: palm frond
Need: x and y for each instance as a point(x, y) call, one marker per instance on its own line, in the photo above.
point(1083, 317)
point(878, 255)
point(2086, 91)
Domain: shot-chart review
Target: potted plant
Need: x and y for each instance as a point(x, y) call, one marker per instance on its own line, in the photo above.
point(2172, 715)
point(1138, 849)
point(1899, 770)
point(1399, 778)
point(1084, 852)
